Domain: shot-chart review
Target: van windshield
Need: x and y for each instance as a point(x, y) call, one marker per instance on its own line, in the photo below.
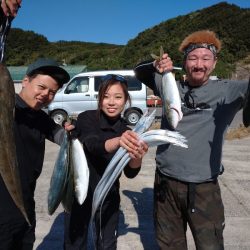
point(133, 83)
point(78, 85)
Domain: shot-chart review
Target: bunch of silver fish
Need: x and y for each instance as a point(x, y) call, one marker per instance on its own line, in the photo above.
point(70, 177)
point(121, 158)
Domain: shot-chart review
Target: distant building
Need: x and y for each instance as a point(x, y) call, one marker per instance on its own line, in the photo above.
point(18, 72)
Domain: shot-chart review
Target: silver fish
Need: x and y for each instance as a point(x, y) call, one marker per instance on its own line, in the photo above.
point(170, 96)
point(171, 100)
point(172, 137)
point(145, 122)
point(157, 138)
point(59, 176)
point(152, 138)
point(106, 183)
point(80, 171)
point(8, 159)
point(116, 165)
point(142, 125)
point(70, 176)
point(68, 194)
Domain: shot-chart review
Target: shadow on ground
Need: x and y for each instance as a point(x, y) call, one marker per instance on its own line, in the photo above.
point(143, 205)
point(54, 239)
point(142, 202)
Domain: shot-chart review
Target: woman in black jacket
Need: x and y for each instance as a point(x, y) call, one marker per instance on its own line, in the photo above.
point(102, 132)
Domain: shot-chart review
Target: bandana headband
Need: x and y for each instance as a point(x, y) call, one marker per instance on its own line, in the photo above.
point(193, 46)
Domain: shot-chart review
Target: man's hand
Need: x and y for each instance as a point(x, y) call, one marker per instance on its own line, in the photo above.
point(68, 126)
point(162, 63)
point(10, 7)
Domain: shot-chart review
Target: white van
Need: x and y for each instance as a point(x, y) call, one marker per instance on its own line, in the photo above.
point(81, 93)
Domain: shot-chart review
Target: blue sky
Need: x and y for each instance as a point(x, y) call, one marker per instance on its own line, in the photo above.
point(108, 21)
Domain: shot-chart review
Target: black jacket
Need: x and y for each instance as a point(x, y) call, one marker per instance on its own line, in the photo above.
point(93, 129)
point(31, 129)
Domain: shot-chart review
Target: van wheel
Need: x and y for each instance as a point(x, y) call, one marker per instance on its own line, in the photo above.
point(59, 116)
point(132, 116)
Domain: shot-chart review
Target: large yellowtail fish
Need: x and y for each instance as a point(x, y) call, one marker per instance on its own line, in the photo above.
point(170, 95)
point(70, 177)
point(8, 160)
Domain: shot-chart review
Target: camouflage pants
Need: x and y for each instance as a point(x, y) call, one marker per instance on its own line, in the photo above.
point(172, 213)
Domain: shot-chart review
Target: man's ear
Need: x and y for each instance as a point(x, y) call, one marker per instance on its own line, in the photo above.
point(215, 62)
point(25, 81)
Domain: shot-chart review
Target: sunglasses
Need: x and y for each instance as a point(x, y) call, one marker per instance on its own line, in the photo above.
point(118, 78)
point(191, 104)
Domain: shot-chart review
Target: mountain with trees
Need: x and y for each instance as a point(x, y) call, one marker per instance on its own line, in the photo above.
point(230, 22)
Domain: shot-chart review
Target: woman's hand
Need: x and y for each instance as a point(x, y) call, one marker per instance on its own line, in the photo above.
point(135, 147)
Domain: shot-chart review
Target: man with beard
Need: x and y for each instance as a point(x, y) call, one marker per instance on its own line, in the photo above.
point(186, 189)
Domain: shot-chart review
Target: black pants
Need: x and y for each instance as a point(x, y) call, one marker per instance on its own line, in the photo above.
point(177, 204)
point(16, 234)
point(106, 225)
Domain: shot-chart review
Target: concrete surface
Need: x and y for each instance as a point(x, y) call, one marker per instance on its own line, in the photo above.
point(136, 225)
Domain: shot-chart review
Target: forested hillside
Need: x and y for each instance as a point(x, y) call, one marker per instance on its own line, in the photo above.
point(231, 23)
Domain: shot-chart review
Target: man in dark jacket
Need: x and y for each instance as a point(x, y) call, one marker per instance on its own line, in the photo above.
point(31, 126)
point(186, 189)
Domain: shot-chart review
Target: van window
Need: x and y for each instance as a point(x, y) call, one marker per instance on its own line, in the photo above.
point(133, 83)
point(78, 85)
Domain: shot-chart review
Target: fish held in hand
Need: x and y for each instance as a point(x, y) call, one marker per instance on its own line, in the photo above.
point(59, 176)
point(170, 95)
point(152, 138)
point(70, 176)
point(80, 170)
point(8, 159)
point(171, 100)
point(121, 158)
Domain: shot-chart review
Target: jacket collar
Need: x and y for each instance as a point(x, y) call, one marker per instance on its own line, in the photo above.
point(110, 124)
point(20, 102)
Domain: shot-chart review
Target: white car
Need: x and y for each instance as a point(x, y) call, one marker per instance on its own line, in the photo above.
point(81, 94)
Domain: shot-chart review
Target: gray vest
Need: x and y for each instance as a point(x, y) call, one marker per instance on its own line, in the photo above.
point(207, 113)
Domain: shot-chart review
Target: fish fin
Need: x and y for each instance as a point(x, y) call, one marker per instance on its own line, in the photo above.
point(155, 56)
point(161, 52)
point(158, 57)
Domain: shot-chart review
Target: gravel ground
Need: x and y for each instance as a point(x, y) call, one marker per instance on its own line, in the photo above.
point(136, 225)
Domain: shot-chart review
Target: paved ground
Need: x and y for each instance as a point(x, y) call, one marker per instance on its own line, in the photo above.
point(136, 228)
